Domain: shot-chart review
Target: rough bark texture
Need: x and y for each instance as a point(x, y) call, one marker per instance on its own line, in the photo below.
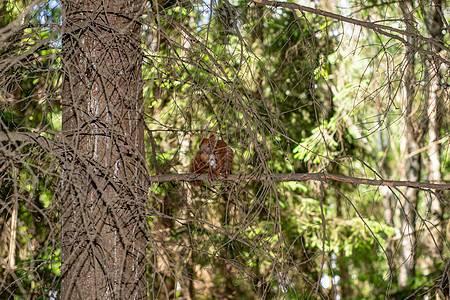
point(103, 191)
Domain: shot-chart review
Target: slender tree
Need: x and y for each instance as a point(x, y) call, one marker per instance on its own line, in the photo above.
point(436, 111)
point(413, 160)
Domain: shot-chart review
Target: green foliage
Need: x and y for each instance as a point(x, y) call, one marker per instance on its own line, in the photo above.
point(326, 142)
point(27, 172)
point(288, 94)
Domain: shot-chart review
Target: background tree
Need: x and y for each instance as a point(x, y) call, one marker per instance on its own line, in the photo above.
point(29, 249)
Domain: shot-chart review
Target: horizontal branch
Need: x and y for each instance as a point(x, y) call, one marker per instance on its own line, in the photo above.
point(47, 143)
point(303, 177)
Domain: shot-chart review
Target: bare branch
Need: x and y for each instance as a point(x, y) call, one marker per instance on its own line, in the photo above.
point(382, 29)
point(31, 137)
point(303, 177)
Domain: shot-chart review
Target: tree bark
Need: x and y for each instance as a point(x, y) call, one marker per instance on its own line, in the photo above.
point(103, 190)
point(436, 111)
point(412, 163)
point(11, 259)
point(342, 262)
point(383, 146)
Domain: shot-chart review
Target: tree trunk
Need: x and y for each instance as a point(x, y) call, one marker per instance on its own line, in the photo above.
point(11, 259)
point(436, 107)
point(383, 146)
point(412, 162)
point(103, 190)
point(342, 262)
point(434, 242)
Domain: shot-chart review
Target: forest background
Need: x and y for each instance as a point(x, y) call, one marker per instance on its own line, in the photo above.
point(337, 112)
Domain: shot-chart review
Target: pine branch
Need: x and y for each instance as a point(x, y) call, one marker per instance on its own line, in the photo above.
point(385, 30)
point(32, 137)
point(304, 177)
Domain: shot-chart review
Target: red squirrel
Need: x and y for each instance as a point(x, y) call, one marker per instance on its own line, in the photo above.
point(214, 157)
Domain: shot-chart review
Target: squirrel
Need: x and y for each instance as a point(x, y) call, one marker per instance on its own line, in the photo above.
point(214, 157)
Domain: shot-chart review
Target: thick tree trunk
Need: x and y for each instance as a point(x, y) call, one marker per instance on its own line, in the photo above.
point(103, 193)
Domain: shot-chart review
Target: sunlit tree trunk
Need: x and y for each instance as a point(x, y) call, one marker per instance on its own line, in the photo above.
point(436, 107)
point(383, 146)
point(434, 232)
point(103, 189)
point(343, 264)
point(11, 260)
point(11, 228)
point(412, 162)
